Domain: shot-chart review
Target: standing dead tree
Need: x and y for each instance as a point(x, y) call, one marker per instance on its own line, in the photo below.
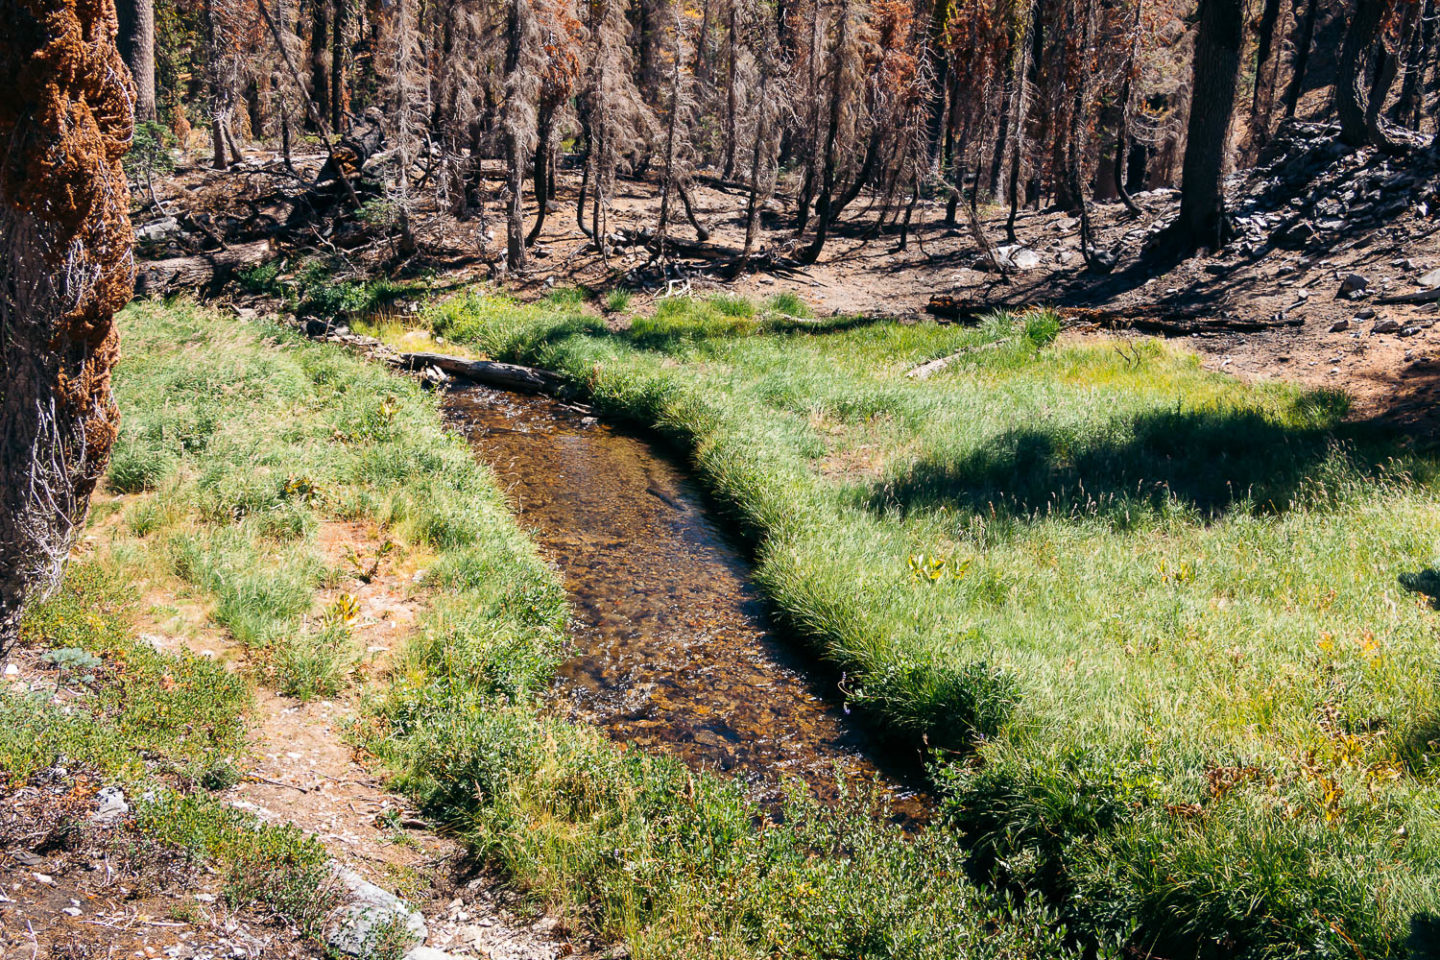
point(65, 269)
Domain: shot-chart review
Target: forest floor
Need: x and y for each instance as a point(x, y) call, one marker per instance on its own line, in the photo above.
point(1311, 215)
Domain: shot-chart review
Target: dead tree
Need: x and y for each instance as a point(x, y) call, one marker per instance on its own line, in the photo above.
point(137, 47)
point(518, 120)
point(1202, 221)
point(1304, 40)
point(1361, 121)
point(65, 269)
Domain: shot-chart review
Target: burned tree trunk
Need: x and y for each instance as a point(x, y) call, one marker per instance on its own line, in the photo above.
point(1360, 120)
point(137, 47)
point(1303, 43)
point(65, 268)
point(1202, 222)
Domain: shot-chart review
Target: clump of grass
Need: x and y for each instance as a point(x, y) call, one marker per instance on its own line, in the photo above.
point(316, 663)
point(788, 302)
point(280, 867)
point(618, 300)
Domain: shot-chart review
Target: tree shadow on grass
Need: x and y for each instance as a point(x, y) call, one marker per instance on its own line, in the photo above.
point(1209, 461)
point(1424, 582)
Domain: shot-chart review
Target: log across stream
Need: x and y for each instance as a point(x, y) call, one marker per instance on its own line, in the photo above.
point(671, 646)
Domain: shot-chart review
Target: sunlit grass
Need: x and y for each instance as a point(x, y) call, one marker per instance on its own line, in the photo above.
point(1158, 580)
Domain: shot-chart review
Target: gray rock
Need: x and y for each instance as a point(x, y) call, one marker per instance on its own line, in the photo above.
point(112, 805)
point(1340, 326)
point(1431, 279)
point(1386, 326)
point(1353, 282)
point(354, 926)
point(1365, 313)
point(160, 230)
point(428, 953)
point(1409, 331)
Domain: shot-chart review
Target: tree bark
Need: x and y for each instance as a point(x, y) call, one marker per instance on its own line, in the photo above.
point(1303, 43)
point(1407, 108)
point(319, 47)
point(731, 94)
point(1265, 69)
point(1359, 110)
point(1202, 221)
point(137, 47)
point(1020, 115)
point(65, 269)
point(339, 50)
point(823, 212)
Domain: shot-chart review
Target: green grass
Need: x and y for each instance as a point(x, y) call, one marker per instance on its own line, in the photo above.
point(1169, 636)
point(251, 439)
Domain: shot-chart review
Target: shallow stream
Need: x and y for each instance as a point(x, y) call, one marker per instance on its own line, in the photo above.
point(671, 645)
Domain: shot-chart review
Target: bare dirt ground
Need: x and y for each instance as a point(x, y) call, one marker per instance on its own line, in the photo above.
point(77, 898)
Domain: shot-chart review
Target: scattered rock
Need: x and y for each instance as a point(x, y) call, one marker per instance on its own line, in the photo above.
point(1340, 326)
point(1409, 331)
point(1386, 326)
point(1365, 313)
point(354, 926)
point(1431, 279)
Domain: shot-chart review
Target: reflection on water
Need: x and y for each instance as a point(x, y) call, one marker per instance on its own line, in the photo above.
point(671, 648)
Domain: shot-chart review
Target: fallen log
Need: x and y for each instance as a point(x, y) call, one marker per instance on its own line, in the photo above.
point(1423, 296)
point(1172, 325)
point(206, 272)
point(924, 371)
point(508, 376)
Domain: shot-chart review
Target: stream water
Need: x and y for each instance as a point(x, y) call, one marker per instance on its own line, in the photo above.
point(671, 646)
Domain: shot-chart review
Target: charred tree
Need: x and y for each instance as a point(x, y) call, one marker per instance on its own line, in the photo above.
point(1202, 221)
point(65, 269)
point(1304, 40)
point(1361, 122)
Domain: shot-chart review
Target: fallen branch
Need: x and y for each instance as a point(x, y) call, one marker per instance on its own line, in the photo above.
point(925, 370)
point(1423, 296)
point(506, 375)
point(1175, 324)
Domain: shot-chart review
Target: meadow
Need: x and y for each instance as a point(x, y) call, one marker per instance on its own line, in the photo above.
point(1169, 638)
point(239, 442)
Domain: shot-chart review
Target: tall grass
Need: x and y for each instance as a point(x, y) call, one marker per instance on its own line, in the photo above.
point(1167, 633)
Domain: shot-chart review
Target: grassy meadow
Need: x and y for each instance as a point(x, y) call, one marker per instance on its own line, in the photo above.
point(1171, 639)
point(239, 443)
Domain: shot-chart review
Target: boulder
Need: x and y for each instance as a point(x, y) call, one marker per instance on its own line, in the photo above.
point(367, 912)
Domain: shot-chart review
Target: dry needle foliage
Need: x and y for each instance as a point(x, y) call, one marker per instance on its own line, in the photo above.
point(65, 269)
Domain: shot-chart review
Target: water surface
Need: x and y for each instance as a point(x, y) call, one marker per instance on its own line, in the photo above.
point(671, 646)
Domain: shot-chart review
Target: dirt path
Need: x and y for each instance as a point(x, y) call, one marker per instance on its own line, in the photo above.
point(302, 769)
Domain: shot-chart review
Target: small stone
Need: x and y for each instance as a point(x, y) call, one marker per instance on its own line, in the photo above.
point(1353, 283)
point(11, 671)
point(71, 911)
point(43, 878)
point(1409, 331)
point(1365, 313)
point(1340, 326)
point(1386, 326)
point(1431, 279)
point(111, 805)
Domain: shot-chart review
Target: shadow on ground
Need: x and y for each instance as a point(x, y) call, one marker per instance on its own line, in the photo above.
point(1211, 462)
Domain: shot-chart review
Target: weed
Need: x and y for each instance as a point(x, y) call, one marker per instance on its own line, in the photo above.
point(618, 300)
